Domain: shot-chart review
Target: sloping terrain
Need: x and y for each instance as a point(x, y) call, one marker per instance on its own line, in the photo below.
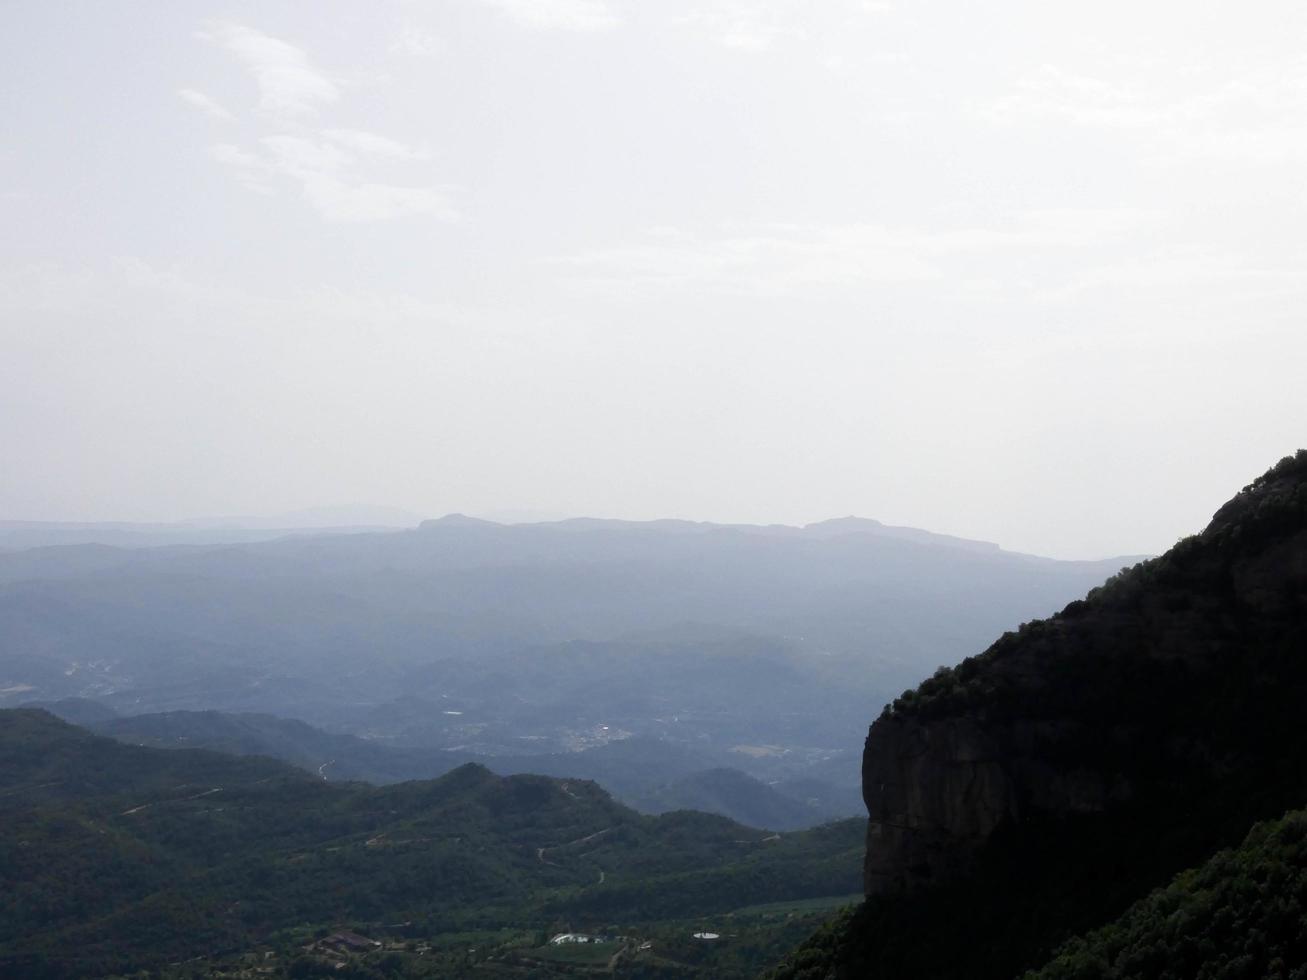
point(1035, 791)
point(1243, 913)
point(116, 858)
point(649, 775)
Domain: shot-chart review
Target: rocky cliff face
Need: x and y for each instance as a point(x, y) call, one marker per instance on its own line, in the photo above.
point(1176, 680)
point(933, 792)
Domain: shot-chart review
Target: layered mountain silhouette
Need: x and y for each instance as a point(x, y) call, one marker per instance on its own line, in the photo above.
point(650, 775)
point(1101, 793)
point(634, 653)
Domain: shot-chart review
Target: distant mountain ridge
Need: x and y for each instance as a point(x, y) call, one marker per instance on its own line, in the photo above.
point(229, 530)
point(829, 528)
point(501, 640)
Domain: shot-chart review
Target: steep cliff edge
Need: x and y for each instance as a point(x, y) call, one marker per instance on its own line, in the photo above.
point(1176, 676)
point(1036, 790)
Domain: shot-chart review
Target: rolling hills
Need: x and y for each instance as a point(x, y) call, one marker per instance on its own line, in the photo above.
point(117, 858)
point(649, 775)
point(636, 654)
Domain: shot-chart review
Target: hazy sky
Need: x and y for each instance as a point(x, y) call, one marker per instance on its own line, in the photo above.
point(1025, 271)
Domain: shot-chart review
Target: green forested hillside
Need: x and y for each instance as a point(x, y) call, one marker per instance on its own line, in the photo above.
point(115, 858)
point(1243, 914)
point(651, 775)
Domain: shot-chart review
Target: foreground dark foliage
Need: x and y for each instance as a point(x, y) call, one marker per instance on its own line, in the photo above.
point(1171, 696)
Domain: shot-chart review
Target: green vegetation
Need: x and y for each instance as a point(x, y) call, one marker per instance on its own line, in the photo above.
point(1241, 915)
point(1271, 508)
point(118, 858)
point(803, 905)
point(585, 954)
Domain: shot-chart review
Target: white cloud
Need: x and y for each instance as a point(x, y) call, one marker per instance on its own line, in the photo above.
point(249, 170)
point(757, 25)
point(1264, 147)
point(755, 260)
point(1191, 268)
point(299, 157)
point(1255, 118)
point(568, 15)
point(205, 104)
point(780, 259)
point(325, 173)
point(416, 42)
point(1052, 93)
point(288, 82)
point(136, 273)
point(333, 168)
point(744, 25)
point(337, 200)
point(370, 144)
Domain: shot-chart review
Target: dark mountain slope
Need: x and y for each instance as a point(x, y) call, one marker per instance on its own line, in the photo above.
point(328, 755)
point(1036, 790)
point(76, 711)
point(116, 858)
point(44, 760)
point(1241, 914)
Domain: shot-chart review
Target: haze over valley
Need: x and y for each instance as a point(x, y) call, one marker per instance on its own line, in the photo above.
point(694, 490)
point(635, 654)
